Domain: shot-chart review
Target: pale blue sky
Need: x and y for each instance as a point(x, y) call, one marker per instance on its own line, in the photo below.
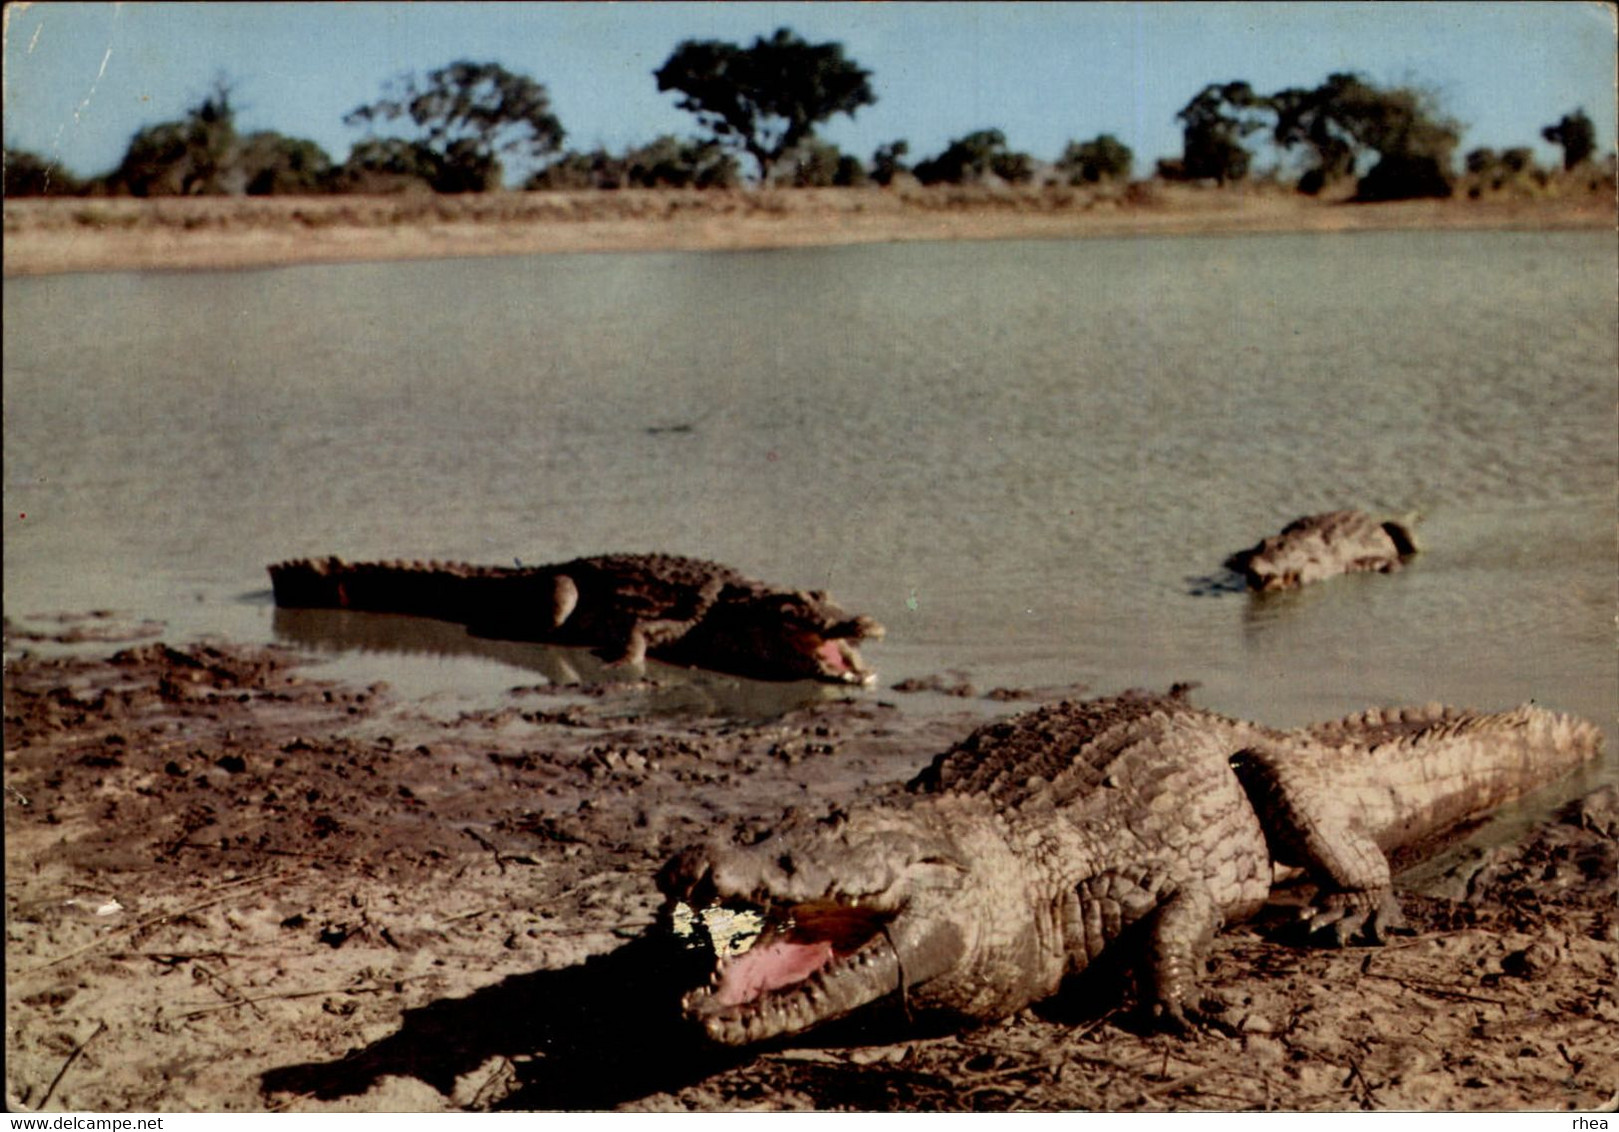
point(80, 79)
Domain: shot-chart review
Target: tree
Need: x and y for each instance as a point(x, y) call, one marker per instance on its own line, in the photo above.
point(272, 163)
point(1347, 117)
point(1482, 162)
point(597, 169)
point(1213, 126)
point(1519, 159)
point(192, 156)
point(768, 98)
point(1413, 143)
point(977, 156)
point(1576, 134)
point(30, 175)
point(664, 163)
point(1104, 158)
point(1513, 170)
point(1406, 176)
point(1307, 117)
point(816, 164)
point(668, 162)
point(387, 165)
point(467, 115)
point(888, 161)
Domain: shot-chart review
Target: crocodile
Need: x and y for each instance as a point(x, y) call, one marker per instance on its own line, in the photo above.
point(1320, 546)
point(626, 606)
point(1136, 825)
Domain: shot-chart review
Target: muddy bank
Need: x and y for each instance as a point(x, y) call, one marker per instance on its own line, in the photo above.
point(66, 235)
point(234, 886)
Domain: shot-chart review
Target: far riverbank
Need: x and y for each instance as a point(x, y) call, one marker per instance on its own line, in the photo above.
point(51, 236)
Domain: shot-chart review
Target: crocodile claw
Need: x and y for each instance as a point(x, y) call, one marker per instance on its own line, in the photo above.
point(1171, 1018)
point(1343, 919)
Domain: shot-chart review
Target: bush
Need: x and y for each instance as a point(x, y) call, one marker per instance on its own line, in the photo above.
point(1104, 158)
point(1404, 177)
point(976, 157)
point(29, 175)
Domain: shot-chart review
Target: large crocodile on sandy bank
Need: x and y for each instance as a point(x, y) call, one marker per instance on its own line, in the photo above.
point(627, 606)
point(1319, 546)
point(1021, 854)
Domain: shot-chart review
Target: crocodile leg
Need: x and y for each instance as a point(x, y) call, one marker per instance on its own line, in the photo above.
point(642, 637)
point(508, 608)
point(1307, 827)
point(1181, 931)
point(645, 634)
point(564, 600)
point(1180, 916)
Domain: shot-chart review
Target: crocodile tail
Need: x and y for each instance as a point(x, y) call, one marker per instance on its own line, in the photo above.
point(308, 583)
point(420, 589)
point(1434, 768)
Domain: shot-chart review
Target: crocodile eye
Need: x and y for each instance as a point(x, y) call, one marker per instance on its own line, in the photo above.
point(732, 931)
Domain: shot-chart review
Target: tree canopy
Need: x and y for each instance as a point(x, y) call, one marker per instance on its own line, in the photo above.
point(1576, 134)
point(190, 156)
point(468, 114)
point(768, 98)
point(975, 157)
point(29, 175)
point(1213, 125)
point(815, 164)
point(666, 162)
point(275, 164)
point(1339, 121)
point(203, 153)
point(1104, 158)
point(1413, 143)
point(888, 161)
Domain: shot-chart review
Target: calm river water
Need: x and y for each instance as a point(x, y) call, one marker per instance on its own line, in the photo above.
point(1020, 456)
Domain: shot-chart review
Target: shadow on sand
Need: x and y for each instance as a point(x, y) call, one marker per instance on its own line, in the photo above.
point(589, 1037)
point(608, 1031)
point(594, 1035)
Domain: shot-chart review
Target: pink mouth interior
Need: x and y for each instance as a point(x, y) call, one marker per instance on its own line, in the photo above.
point(832, 656)
point(768, 966)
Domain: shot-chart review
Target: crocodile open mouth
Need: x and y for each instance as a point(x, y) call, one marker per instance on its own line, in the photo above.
point(832, 649)
point(838, 660)
point(784, 969)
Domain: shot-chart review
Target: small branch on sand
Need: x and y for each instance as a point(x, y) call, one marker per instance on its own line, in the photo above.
point(500, 858)
point(241, 849)
point(393, 985)
point(175, 958)
point(1441, 990)
point(227, 988)
point(159, 918)
point(68, 1064)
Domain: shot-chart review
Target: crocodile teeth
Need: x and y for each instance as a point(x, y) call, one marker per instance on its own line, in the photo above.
point(840, 661)
point(826, 994)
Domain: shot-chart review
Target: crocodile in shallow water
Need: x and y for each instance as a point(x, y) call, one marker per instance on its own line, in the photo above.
point(1021, 854)
point(1319, 546)
point(627, 606)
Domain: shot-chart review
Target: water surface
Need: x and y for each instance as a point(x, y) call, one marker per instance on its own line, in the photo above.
point(1020, 456)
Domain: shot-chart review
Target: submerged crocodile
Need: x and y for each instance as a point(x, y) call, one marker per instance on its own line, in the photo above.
point(627, 606)
point(1021, 854)
point(1319, 546)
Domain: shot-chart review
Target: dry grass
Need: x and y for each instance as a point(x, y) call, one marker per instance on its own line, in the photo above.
point(57, 235)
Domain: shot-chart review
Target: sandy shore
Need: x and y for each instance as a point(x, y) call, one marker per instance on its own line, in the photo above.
point(52, 236)
point(231, 885)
